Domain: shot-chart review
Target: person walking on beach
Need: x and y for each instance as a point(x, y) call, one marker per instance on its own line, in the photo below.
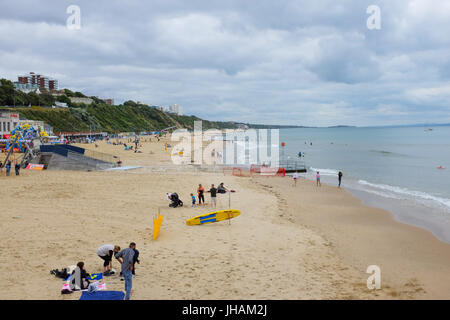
point(213, 192)
point(17, 168)
point(340, 178)
point(200, 193)
point(318, 179)
point(126, 258)
point(8, 168)
point(295, 177)
point(106, 252)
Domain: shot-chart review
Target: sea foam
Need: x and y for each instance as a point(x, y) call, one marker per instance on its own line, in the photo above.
point(404, 193)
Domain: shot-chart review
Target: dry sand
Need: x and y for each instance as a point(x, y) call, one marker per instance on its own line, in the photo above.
point(288, 243)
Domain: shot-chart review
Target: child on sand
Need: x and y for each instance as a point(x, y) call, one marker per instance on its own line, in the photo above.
point(17, 168)
point(318, 179)
point(193, 200)
point(135, 259)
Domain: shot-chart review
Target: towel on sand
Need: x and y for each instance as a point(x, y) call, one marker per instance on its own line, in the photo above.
point(102, 295)
point(95, 276)
point(92, 276)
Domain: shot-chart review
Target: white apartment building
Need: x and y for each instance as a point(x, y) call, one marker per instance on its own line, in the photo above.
point(176, 109)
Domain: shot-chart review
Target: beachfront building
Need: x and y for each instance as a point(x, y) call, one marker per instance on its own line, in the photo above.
point(81, 100)
point(56, 93)
point(109, 101)
point(176, 109)
point(40, 80)
point(9, 120)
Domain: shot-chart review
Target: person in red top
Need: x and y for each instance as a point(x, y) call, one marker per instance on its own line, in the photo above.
point(201, 197)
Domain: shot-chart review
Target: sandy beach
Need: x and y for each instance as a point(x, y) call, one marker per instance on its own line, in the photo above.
point(288, 243)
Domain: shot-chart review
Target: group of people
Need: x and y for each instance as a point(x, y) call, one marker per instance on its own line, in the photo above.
point(127, 258)
point(8, 167)
point(318, 183)
point(213, 193)
point(79, 279)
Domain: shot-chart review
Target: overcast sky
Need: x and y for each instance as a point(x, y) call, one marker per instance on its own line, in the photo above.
point(275, 62)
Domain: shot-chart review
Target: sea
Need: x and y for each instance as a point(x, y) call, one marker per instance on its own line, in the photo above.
point(392, 168)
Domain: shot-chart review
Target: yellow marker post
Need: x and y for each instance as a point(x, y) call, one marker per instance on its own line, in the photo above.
point(157, 225)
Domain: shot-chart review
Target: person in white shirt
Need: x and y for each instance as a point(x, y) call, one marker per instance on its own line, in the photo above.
point(106, 253)
point(295, 177)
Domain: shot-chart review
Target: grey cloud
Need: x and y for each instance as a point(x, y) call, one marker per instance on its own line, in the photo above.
point(287, 62)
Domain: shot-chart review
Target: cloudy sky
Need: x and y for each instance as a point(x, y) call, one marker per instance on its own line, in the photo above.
point(274, 62)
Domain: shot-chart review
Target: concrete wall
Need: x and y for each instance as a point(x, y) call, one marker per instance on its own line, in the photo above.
point(73, 161)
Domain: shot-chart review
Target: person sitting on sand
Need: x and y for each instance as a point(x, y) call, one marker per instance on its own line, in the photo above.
point(106, 252)
point(79, 279)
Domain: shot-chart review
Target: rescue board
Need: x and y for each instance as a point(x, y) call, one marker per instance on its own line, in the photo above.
point(213, 217)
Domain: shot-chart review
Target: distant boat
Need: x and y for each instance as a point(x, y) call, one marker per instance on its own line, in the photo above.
point(428, 129)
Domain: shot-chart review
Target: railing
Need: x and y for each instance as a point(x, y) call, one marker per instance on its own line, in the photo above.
point(53, 148)
point(292, 165)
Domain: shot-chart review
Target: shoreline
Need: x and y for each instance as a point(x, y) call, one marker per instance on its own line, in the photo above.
point(363, 235)
point(404, 211)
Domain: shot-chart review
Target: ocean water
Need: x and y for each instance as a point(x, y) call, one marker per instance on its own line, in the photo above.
point(393, 168)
